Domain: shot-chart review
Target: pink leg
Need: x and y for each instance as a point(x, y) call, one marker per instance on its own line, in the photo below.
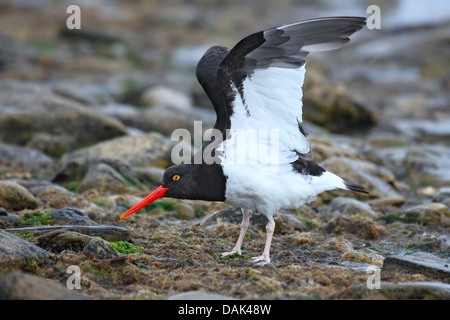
point(270, 227)
point(244, 226)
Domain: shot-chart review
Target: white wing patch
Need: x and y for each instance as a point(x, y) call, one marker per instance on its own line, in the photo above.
point(270, 108)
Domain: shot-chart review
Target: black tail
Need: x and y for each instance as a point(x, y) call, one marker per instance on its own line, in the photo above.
point(355, 187)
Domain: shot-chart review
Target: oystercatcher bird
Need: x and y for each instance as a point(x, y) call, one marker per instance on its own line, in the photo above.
point(255, 88)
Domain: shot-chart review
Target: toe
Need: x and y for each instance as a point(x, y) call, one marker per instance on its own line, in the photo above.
point(224, 254)
point(262, 258)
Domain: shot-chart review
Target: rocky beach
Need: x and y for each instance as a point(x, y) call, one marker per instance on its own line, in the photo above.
point(86, 118)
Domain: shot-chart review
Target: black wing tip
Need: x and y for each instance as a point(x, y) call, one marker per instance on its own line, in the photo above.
point(355, 187)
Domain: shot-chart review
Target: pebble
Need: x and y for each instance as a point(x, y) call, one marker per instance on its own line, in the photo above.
point(16, 252)
point(15, 197)
point(109, 233)
point(24, 286)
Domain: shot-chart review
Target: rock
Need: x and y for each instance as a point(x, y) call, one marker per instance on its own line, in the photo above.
point(104, 178)
point(167, 119)
point(427, 214)
point(151, 174)
point(109, 233)
point(53, 145)
point(337, 244)
point(20, 155)
point(15, 197)
point(184, 211)
point(426, 130)
point(71, 216)
point(330, 106)
point(302, 238)
point(199, 295)
point(117, 203)
point(166, 97)
point(120, 153)
point(287, 222)
point(443, 242)
point(363, 256)
point(442, 194)
point(24, 286)
point(362, 227)
point(27, 109)
point(3, 211)
point(100, 249)
point(37, 187)
point(87, 93)
point(350, 206)
point(383, 140)
point(55, 197)
point(60, 240)
point(9, 221)
point(17, 253)
point(126, 113)
point(428, 165)
point(366, 174)
point(397, 291)
point(427, 264)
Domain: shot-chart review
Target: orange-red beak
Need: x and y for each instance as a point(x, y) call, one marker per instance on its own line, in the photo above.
point(158, 193)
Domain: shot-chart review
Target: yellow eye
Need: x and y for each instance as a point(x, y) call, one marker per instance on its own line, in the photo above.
point(176, 177)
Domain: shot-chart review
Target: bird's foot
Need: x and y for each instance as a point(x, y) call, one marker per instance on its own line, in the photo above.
point(262, 259)
point(224, 254)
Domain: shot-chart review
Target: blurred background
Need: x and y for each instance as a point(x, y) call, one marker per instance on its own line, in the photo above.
point(132, 66)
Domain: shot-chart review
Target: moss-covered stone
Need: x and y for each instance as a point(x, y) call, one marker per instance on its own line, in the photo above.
point(14, 196)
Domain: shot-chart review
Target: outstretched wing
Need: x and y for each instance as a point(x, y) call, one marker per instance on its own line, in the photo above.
point(257, 84)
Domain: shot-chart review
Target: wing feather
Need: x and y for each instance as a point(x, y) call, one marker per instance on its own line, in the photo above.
point(257, 84)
